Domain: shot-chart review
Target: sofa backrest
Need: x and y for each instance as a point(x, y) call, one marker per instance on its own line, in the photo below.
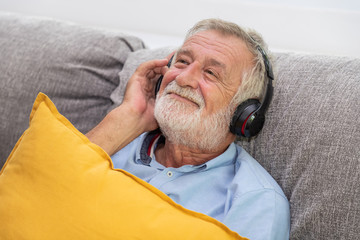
point(311, 143)
point(76, 66)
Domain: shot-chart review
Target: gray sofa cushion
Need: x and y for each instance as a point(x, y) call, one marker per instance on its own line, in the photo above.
point(77, 67)
point(310, 144)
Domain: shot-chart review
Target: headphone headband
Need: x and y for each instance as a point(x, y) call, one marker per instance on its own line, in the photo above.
point(270, 77)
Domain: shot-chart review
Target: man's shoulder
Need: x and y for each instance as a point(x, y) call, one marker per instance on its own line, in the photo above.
point(251, 176)
point(130, 151)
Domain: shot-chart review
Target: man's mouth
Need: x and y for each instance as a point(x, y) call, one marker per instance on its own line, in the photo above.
point(183, 98)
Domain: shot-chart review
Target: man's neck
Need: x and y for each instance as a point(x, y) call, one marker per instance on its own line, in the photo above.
point(172, 155)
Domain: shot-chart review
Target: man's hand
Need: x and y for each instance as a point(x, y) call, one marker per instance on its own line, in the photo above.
point(140, 92)
point(135, 115)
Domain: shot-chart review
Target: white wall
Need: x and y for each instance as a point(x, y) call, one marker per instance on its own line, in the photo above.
point(316, 26)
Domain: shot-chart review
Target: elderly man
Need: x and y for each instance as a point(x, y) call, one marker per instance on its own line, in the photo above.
point(193, 158)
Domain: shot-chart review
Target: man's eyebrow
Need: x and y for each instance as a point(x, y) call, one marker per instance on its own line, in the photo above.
point(213, 62)
point(209, 61)
point(185, 52)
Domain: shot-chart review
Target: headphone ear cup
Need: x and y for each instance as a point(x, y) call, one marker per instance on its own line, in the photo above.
point(246, 121)
point(254, 124)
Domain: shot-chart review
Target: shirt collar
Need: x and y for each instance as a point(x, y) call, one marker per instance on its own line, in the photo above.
point(147, 147)
point(226, 158)
point(151, 139)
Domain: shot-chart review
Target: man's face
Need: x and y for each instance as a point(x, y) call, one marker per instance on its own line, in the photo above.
point(201, 83)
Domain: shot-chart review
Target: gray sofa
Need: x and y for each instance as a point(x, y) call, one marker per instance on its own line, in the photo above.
point(310, 142)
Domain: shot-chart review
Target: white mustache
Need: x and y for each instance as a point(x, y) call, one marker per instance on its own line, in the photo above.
point(187, 93)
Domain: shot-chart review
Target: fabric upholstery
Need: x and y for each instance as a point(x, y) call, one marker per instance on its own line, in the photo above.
point(310, 143)
point(76, 66)
point(56, 184)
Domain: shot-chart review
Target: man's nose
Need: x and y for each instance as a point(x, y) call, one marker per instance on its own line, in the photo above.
point(189, 76)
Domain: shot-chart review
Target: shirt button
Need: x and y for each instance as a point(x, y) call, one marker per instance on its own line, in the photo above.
point(169, 174)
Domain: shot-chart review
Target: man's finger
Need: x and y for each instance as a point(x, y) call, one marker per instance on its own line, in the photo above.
point(151, 66)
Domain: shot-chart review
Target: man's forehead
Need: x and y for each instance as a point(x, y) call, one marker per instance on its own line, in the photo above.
point(224, 48)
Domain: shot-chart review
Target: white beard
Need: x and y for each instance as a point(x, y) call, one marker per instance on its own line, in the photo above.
point(182, 123)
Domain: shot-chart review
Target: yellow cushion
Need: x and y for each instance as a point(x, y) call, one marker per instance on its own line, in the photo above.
point(56, 184)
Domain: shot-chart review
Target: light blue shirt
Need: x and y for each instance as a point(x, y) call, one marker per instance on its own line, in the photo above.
point(232, 188)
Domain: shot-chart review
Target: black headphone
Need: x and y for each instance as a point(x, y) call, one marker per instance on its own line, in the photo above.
point(158, 83)
point(249, 116)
